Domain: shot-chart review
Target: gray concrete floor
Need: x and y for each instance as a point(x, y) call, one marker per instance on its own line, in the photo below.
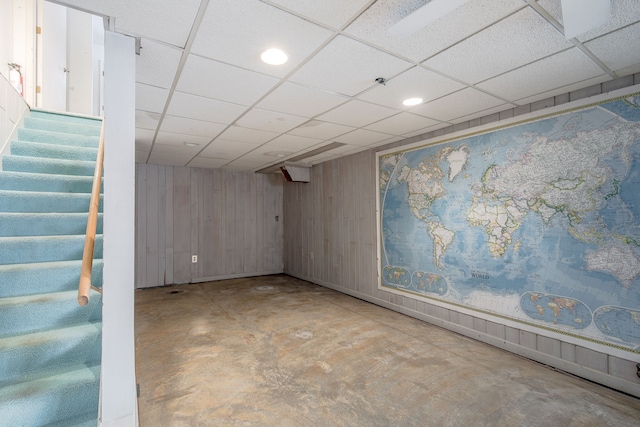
point(278, 351)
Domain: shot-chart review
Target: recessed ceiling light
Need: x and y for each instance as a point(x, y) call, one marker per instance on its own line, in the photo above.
point(274, 57)
point(191, 144)
point(412, 101)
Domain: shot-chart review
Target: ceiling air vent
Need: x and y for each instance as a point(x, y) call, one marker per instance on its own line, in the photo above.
point(296, 172)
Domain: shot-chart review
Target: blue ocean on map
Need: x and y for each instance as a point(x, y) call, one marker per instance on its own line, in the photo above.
point(543, 217)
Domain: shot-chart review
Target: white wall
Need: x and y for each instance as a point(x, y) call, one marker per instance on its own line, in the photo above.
point(80, 62)
point(118, 393)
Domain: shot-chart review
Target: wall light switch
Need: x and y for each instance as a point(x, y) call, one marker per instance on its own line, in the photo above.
point(194, 258)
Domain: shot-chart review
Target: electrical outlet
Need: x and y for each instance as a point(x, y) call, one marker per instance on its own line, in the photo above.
point(311, 255)
point(194, 258)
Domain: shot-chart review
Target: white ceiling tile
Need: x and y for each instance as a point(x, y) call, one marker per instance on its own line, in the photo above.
point(243, 164)
point(357, 114)
point(163, 20)
point(386, 141)
point(178, 139)
point(181, 151)
point(544, 75)
point(207, 162)
point(141, 156)
point(143, 146)
point(620, 50)
point(333, 154)
point(483, 113)
point(320, 130)
point(293, 142)
point(144, 137)
point(462, 103)
point(223, 149)
point(212, 79)
point(362, 137)
point(151, 98)
point(425, 130)
point(270, 120)
point(168, 159)
point(253, 136)
point(238, 31)
point(301, 101)
point(623, 13)
point(348, 67)
point(461, 23)
point(157, 63)
point(146, 120)
point(402, 123)
point(191, 127)
point(334, 13)
point(414, 83)
point(564, 89)
point(268, 153)
point(530, 37)
point(199, 108)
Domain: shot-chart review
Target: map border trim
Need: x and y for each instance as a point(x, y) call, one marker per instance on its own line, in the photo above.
point(480, 130)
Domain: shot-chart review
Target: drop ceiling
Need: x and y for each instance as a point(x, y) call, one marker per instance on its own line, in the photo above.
point(200, 80)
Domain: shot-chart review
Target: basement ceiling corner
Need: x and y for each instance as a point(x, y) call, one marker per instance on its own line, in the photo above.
point(204, 98)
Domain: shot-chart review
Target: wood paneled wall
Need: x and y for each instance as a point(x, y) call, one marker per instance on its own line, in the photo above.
point(226, 218)
point(330, 235)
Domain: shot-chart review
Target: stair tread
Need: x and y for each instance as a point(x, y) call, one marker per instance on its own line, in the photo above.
point(57, 138)
point(58, 161)
point(49, 380)
point(38, 338)
point(43, 182)
point(52, 151)
point(45, 265)
point(61, 126)
point(38, 298)
point(9, 239)
point(39, 112)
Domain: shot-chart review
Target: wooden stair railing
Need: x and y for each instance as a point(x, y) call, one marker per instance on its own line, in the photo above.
point(85, 286)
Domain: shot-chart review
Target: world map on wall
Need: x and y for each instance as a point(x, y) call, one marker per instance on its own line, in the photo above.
point(537, 223)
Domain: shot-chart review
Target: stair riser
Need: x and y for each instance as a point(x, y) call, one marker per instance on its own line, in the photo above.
point(51, 166)
point(36, 114)
point(49, 151)
point(45, 202)
point(32, 279)
point(28, 250)
point(16, 362)
point(55, 138)
point(39, 406)
point(62, 127)
point(47, 313)
point(15, 181)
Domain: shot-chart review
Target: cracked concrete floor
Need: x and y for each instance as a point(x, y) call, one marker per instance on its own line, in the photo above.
point(278, 351)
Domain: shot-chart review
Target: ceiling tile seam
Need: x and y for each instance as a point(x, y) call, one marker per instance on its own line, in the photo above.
point(183, 59)
point(558, 26)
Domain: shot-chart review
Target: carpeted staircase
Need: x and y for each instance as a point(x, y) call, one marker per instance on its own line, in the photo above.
point(50, 347)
